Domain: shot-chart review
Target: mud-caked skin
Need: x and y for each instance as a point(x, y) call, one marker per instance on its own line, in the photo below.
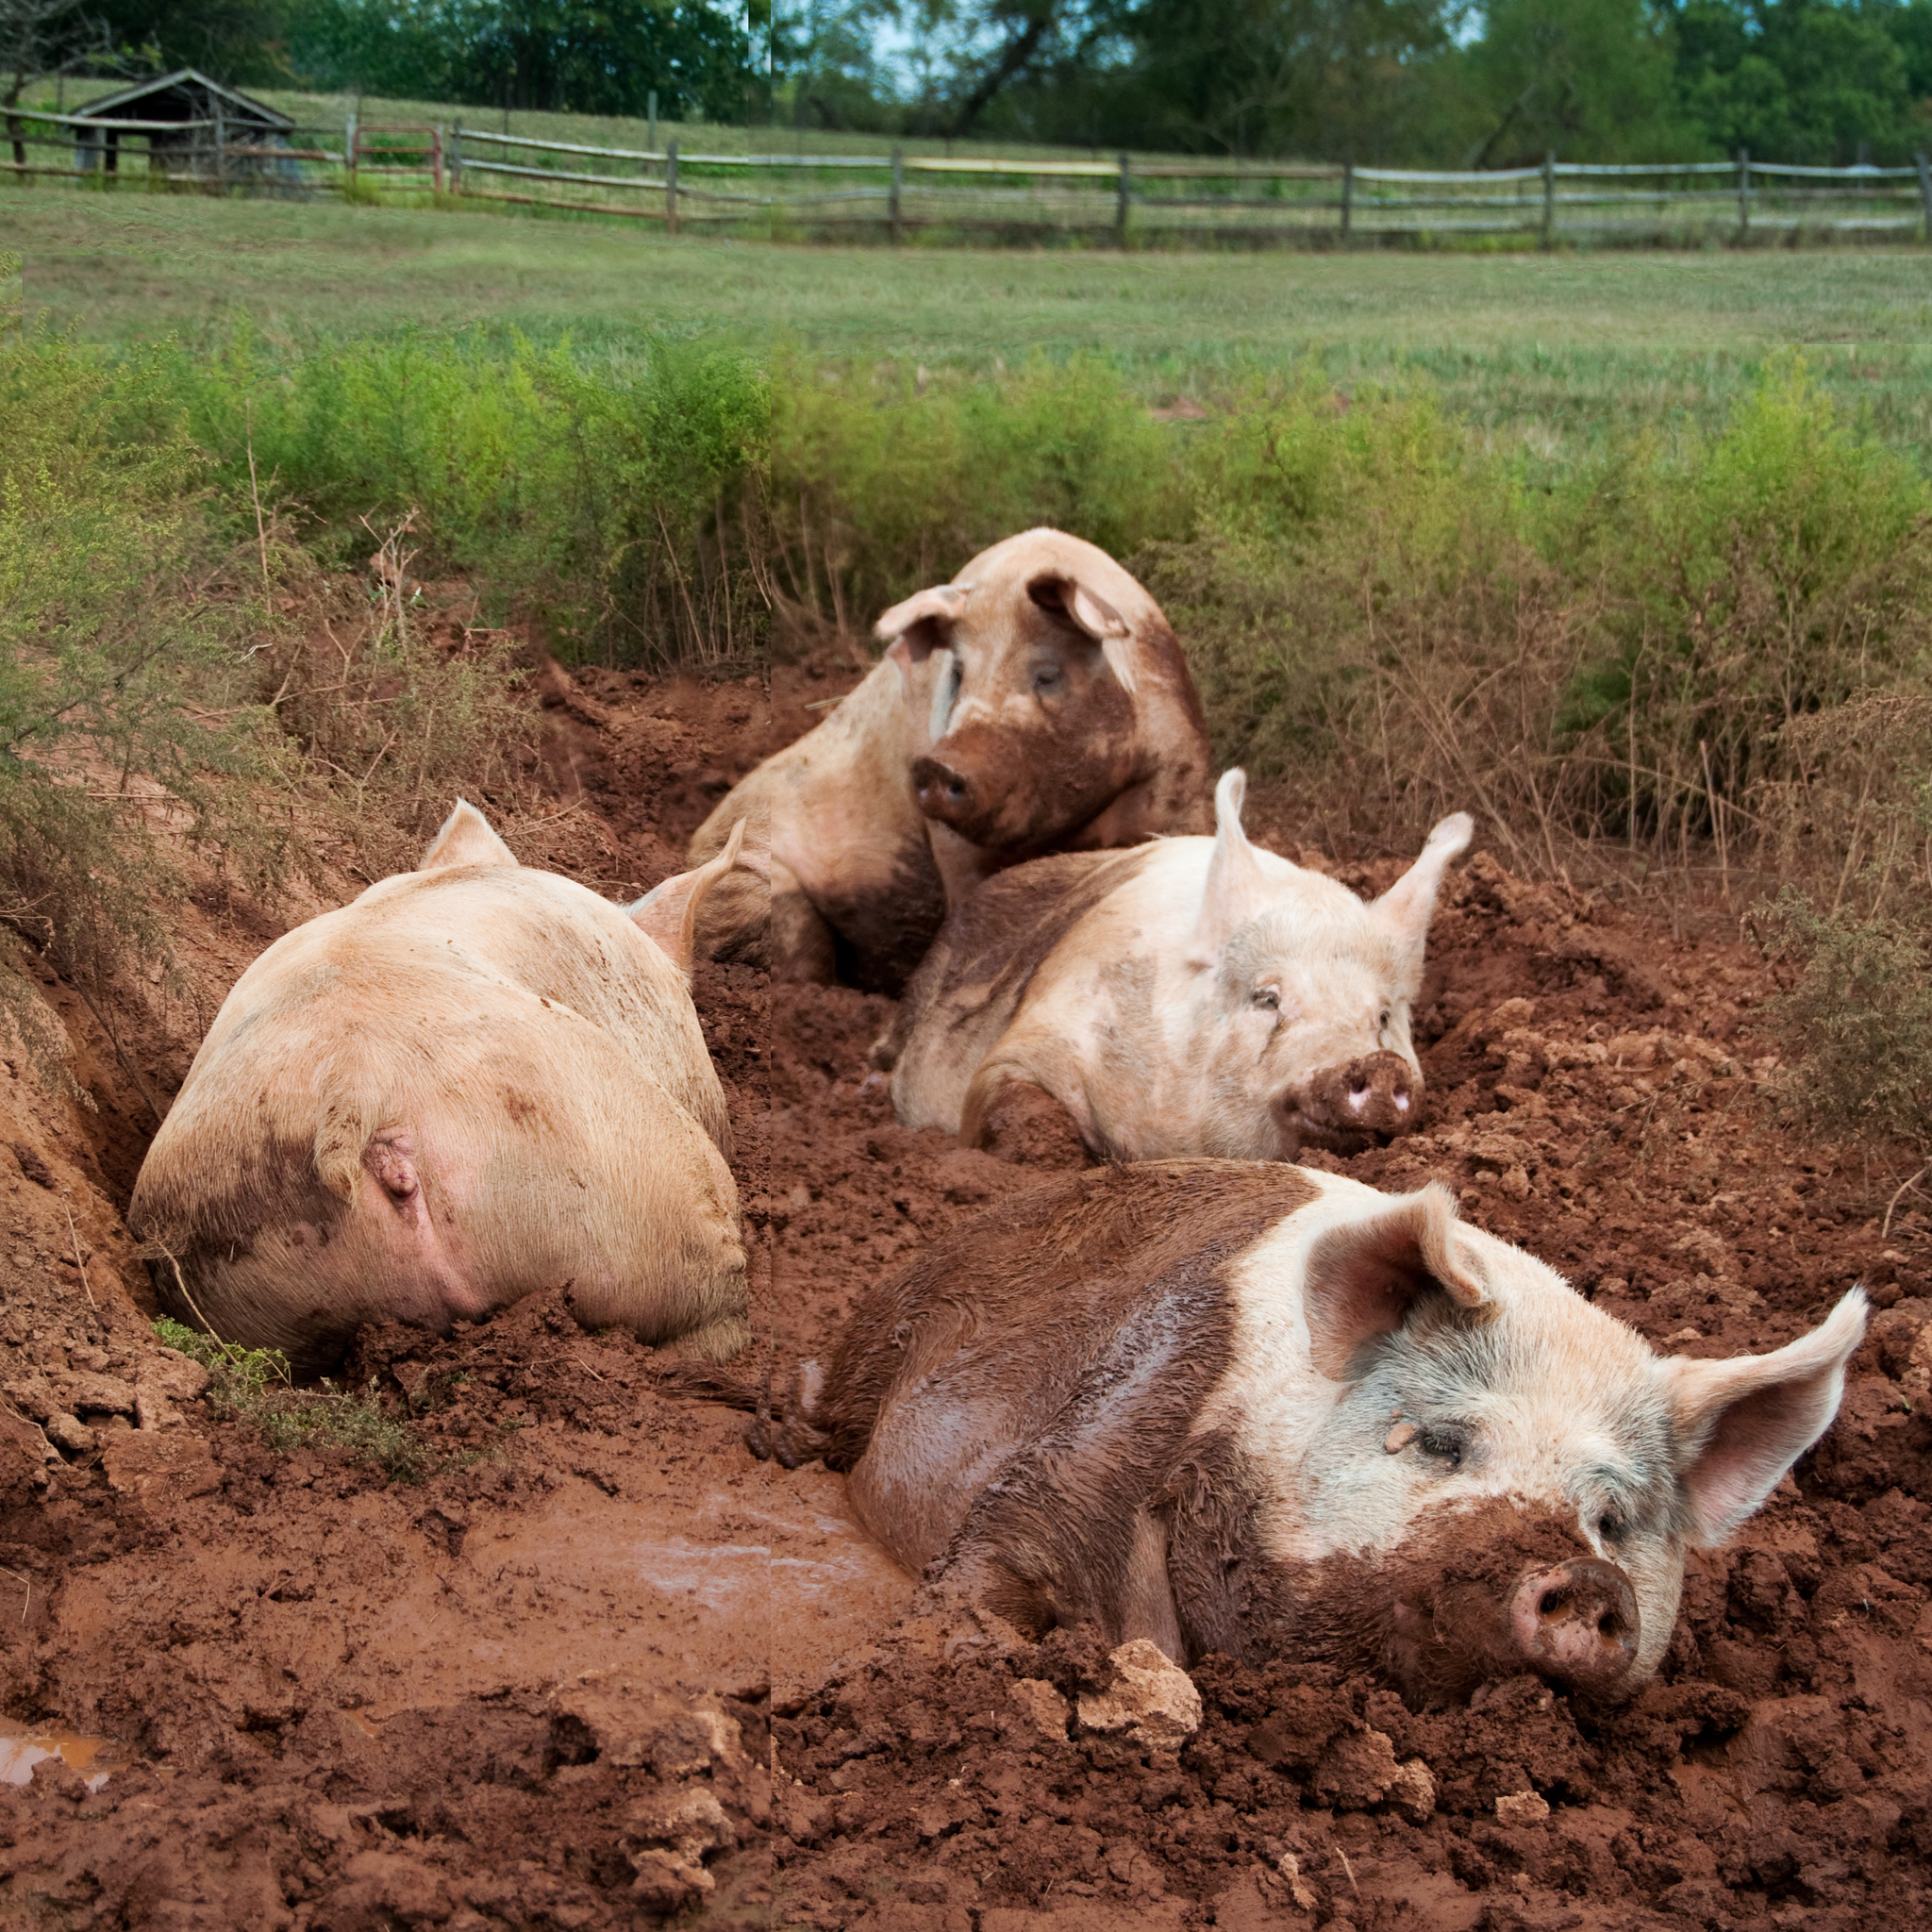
point(1261, 1411)
point(1195, 997)
point(477, 1081)
point(1038, 703)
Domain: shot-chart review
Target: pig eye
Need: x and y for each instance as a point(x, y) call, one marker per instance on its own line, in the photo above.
point(1268, 999)
point(1610, 1527)
point(1382, 1024)
point(1047, 677)
point(1448, 1443)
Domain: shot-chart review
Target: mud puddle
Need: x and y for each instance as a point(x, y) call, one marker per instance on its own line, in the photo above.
point(94, 1760)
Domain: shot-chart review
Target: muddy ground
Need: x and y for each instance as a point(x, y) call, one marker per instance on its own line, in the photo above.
point(600, 1668)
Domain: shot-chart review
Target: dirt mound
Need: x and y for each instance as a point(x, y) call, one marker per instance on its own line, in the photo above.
point(598, 1667)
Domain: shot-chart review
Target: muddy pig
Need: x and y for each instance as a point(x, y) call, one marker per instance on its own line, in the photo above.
point(1193, 996)
point(477, 1081)
point(1263, 1410)
point(1038, 703)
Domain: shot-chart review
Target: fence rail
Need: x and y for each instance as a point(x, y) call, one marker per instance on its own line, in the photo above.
point(1175, 200)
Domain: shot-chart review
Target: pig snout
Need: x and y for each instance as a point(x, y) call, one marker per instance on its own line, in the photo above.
point(1379, 1095)
point(944, 793)
point(1577, 1623)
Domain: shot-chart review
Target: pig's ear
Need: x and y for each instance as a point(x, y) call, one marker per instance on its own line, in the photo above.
point(1236, 890)
point(1406, 907)
point(668, 913)
point(912, 629)
point(1364, 1276)
point(466, 839)
point(1741, 1423)
point(1092, 614)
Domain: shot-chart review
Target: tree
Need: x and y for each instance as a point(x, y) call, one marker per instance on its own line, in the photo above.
point(590, 57)
point(48, 37)
point(1585, 80)
point(1797, 81)
point(237, 42)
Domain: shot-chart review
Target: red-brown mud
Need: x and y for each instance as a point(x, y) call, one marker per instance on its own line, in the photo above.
point(601, 1668)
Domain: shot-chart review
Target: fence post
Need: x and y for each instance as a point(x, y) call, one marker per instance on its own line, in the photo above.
point(651, 136)
point(1347, 197)
point(898, 185)
point(222, 149)
point(1120, 206)
point(1926, 191)
point(349, 138)
point(1744, 192)
point(1549, 196)
point(454, 158)
point(671, 189)
point(436, 158)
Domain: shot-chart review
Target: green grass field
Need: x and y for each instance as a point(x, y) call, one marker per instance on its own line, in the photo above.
point(1556, 351)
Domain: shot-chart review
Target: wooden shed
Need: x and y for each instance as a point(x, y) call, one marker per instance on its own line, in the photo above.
point(197, 127)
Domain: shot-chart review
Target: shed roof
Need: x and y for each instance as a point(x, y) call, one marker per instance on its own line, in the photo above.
point(187, 94)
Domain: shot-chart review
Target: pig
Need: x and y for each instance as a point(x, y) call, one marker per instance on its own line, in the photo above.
point(478, 1079)
point(1038, 703)
point(1269, 1412)
point(1192, 996)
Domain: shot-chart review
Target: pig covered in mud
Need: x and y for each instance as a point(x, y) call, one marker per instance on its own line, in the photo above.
point(1038, 703)
point(1261, 1411)
point(477, 1081)
point(1195, 996)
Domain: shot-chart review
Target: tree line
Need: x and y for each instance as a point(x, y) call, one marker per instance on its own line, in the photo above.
point(1427, 82)
point(1441, 82)
point(704, 59)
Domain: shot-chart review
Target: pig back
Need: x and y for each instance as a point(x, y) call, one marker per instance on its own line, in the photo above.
point(1086, 1320)
point(989, 957)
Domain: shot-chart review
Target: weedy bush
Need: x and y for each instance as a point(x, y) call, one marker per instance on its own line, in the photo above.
point(1854, 1025)
point(614, 501)
point(1758, 581)
point(1708, 643)
point(882, 480)
point(124, 693)
point(392, 721)
point(256, 1385)
point(1365, 612)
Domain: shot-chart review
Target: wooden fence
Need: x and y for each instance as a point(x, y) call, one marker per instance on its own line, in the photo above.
point(1125, 202)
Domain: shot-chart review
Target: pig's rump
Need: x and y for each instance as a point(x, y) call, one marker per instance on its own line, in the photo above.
point(473, 1143)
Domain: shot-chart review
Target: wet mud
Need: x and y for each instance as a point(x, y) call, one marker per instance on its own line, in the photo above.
point(601, 1668)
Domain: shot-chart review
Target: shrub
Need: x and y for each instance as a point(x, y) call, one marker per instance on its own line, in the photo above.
point(1763, 579)
point(122, 686)
point(614, 501)
point(883, 480)
point(1854, 1025)
point(391, 722)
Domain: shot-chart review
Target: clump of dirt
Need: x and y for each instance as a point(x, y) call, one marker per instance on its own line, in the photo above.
point(601, 1668)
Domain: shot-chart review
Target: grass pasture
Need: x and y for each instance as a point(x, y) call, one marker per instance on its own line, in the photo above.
point(1558, 355)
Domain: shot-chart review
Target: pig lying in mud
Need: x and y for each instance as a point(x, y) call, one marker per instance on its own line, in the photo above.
point(477, 1081)
point(1193, 996)
point(1038, 703)
point(1261, 1411)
